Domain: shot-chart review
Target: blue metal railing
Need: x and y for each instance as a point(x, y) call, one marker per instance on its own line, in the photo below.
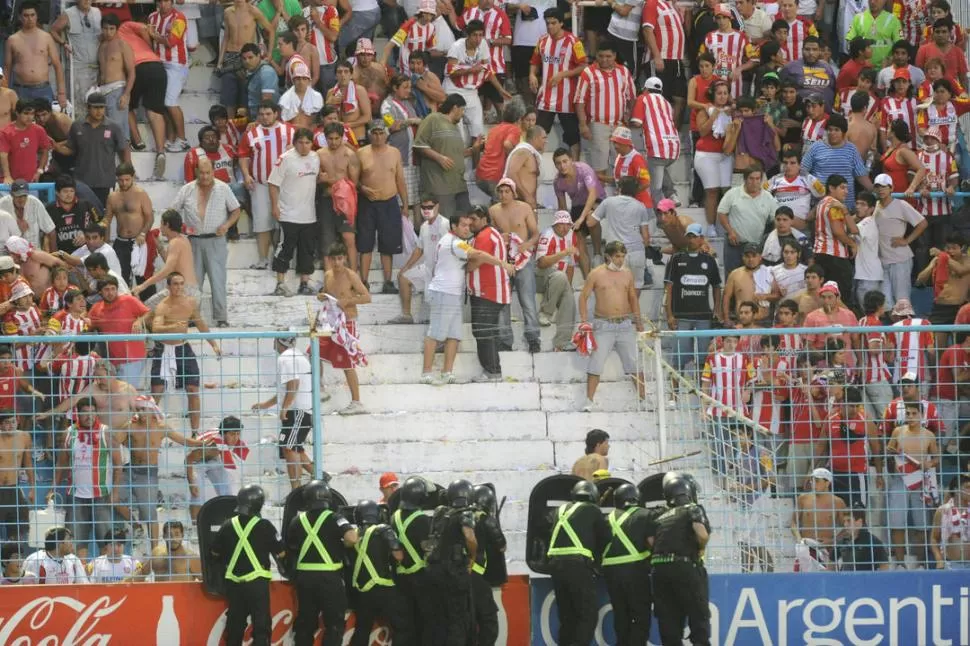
point(46, 187)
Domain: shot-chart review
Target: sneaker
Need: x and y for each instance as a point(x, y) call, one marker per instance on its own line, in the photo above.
point(401, 319)
point(261, 264)
point(222, 323)
point(304, 290)
point(544, 319)
point(588, 406)
point(173, 146)
point(324, 396)
point(159, 171)
point(389, 288)
point(139, 147)
point(353, 408)
point(281, 290)
point(486, 378)
point(447, 378)
point(534, 347)
point(711, 231)
point(427, 378)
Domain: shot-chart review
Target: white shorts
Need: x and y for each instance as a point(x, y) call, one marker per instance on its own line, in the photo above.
point(474, 114)
point(213, 480)
point(636, 262)
point(178, 76)
point(259, 202)
point(714, 169)
point(419, 276)
point(598, 148)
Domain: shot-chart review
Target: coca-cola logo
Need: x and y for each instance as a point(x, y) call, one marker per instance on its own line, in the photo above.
point(34, 615)
point(282, 622)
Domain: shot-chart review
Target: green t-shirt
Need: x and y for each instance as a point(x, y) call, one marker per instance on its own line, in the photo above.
point(438, 133)
point(292, 7)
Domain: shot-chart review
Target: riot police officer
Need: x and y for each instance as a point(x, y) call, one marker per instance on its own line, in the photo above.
point(247, 541)
point(490, 540)
point(679, 578)
point(317, 538)
point(626, 566)
point(412, 527)
point(451, 553)
point(377, 596)
point(578, 539)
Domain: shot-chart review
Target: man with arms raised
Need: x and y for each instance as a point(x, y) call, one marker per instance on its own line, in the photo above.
point(15, 454)
point(597, 450)
point(132, 207)
point(30, 53)
point(381, 184)
point(338, 162)
point(818, 515)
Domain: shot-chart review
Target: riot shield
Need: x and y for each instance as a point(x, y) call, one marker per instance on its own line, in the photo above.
point(606, 488)
point(212, 515)
point(651, 488)
point(434, 498)
point(496, 568)
point(291, 507)
point(545, 498)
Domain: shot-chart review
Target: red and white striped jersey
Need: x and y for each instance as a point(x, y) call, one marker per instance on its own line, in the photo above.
point(328, 15)
point(656, 115)
point(263, 146)
point(459, 58)
point(813, 131)
point(874, 345)
point(52, 300)
point(172, 26)
point(905, 109)
point(550, 244)
point(551, 56)
point(412, 36)
point(798, 31)
point(667, 25)
point(728, 52)
point(796, 193)
point(24, 323)
point(606, 94)
point(631, 164)
point(767, 399)
point(945, 118)
point(497, 25)
point(895, 415)
point(727, 376)
point(914, 15)
point(223, 163)
point(829, 210)
point(843, 102)
point(74, 372)
point(911, 344)
point(233, 455)
point(68, 324)
point(488, 281)
point(941, 168)
point(231, 136)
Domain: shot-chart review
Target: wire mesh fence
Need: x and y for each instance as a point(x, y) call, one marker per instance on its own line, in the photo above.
point(822, 448)
point(104, 463)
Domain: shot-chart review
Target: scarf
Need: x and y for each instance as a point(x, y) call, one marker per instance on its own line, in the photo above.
point(941, 273)
point(519, 258)
point(584, 340)
point(331, 317)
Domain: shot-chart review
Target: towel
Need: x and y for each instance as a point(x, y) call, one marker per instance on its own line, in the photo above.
point(941, 273)
point(169, 365)
point(584, 340)
point(331, 317)
point(522, 146)
point(344, 195)
point(518, 257)
point(917, 479)
point(721, 123)
point(758, 140)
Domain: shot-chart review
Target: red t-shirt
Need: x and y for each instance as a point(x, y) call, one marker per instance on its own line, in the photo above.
point(849, 75)
point(955, 60)
point(23, 147)
point(963, 315)
point(117, 318)
point(492, 163)
point(955, 357)
point(849, 444)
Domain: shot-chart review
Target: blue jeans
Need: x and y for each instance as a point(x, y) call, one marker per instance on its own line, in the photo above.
point(691, 347)
point(360, 25)
point(44, 91)
point(897, 281)
point(133, 373)
point(721, 444)
point(525, 288)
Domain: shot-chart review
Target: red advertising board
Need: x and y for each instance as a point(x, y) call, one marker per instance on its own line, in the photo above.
point(177, 614)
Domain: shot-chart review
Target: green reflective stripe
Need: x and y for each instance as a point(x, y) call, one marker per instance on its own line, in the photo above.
point(562, 523)
point(631, 555)
point(363, 559)
point(402, 535)
point(480, 569)
point(243, 545)
point(313, 539)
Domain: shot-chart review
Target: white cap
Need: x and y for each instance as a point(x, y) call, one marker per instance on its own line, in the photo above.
point(822, 474)
point(883, 180)
point(654, 83)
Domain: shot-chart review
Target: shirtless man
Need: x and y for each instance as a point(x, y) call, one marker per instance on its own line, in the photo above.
point(345, 286)
point(177, 253)
point(116, 64)
point(517, 222)
point(616, 315)
point(113, 397)
point(30, 53)
point(951, 535)
point(808, 299)
point(750, 282)
point(351, 98)
point(379, 212)
point(132, 207)
point(15, 454)
point(597, 450)
point(426, 85)
point(239, 21)
point(304, 48)
point(171, 561)
point(916, 455)
point(338, 161)
point(8, 101)
point(817, 518)
point(56, 125)
point(370, 73)
point(300, 104)
point(522, 166)
point(174, 361)
point(862, 133)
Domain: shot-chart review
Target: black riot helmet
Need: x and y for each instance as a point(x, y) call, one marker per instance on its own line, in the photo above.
point(679, 489)
point(626, 495)
point(484, 499)
point(316, 495)
point(367, 513)
point(250, 500)
point(585, 491)
point(460, 494)
point(413, 493)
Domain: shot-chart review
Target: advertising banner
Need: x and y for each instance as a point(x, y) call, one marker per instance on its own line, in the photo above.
point(177, 614)
point(823, 609)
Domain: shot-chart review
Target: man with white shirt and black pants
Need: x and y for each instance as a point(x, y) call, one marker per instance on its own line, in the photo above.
point(294, 400)
point(292, 189)
point(416, 273)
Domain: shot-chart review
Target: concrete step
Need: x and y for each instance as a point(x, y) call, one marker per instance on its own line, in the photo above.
point(191, 133)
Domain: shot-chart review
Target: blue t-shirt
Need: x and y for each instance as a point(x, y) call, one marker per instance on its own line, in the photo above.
point(823, 161)
point(264, 78)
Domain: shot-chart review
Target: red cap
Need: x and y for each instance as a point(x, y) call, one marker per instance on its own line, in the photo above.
point(389, 479)
point(902, 73)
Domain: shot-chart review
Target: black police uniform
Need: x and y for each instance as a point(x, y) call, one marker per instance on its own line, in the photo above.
point(377, 596)
point(626, 566)
point(245, 543)
point(316, 541)
point(448, 561)
point(680, 587)
point(417, 592)
point(490, 539)
point(864, 553)
point(578, 539)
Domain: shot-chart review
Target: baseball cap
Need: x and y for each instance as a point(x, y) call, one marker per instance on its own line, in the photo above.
point(903, 308)
point(816, 98)
point(910, 377)
point(722, 10)
point(666, 204)
point(377, 124)
point(770, 78)
point(7, 264)
point(506, 181)
point(19, 188)
point(750, 247)
point(695, 229)
point(882, 179)
point(822, 474)
point(563, 217)
point(601, 474)
point(830, 287)
point(364, 46)
point(654, 84)
point(428, 6)
point(388, 479)
point(96, 99)
point(902, 73)
point(622, 135)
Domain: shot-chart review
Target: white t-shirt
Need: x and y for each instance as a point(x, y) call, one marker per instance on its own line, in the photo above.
point(444, 38)
point(122, 285)
point(103, 570)
point(528, 32)
point(449, 269)
point(459, 52)
point(291, 105)
point(296, 176)
point(293, 364)
point(789, 281)
point(106, 250)
point(867, 263)
point(796, 194)
point(35, 213)
point(431, 233)
point(39, 567)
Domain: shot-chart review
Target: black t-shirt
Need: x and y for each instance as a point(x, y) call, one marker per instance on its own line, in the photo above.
point(591, 528)
point(382, 542)
point(638, 527)
point(68, 223)
point(331, 534)
point(692, 276)
point(263, 538)
point(864, 554)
